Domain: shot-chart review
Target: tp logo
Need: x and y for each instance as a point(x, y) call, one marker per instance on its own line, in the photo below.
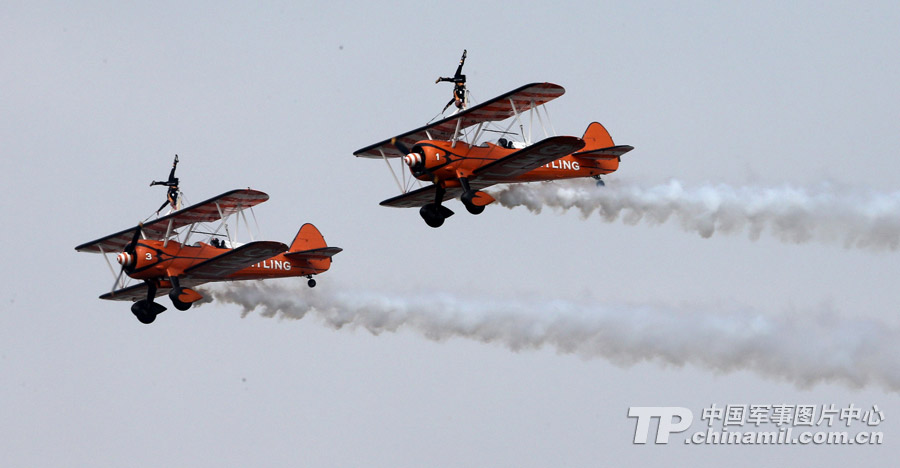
point(667, 422)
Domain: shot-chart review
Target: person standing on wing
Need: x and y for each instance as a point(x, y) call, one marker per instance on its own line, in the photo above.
point(459, 85)
point(172, 183)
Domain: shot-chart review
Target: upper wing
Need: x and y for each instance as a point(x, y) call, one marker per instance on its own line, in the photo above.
point(207, 211)
point(499, 108)
point(530, 158)
point(235, 260)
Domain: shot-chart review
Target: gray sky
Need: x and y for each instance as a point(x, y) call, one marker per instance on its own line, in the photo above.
point(277, 96)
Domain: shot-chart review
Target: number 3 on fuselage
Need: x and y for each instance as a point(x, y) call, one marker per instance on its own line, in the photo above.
point(448, 154)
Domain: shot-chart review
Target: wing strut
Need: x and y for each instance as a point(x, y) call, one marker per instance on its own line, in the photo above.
point(521, 126)
point(247, 225)
point(477, 133)
point(549, 120)
point(456, 133)
point(225, 223)
point(402, 189)
point(168, 233)
point(541, 121)
point(111, 270)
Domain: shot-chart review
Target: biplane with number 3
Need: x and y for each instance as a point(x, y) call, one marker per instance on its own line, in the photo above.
point(158, 253)
point(448, 154)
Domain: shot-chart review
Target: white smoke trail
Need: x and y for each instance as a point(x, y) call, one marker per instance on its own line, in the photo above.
point(803, 349)
point(794, 215)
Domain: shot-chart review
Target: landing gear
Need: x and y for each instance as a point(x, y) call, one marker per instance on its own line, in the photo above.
point(431, 215)
point(146, 310)
point(468, 196)
point(600, 182)
point(467, 201)
point(311, 283)
point(178, 304)
point(182, 298)
point(434, 214)
point(141, 310)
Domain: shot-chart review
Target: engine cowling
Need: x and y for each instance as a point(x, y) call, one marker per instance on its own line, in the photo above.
point(422, 159)
point(135, 257)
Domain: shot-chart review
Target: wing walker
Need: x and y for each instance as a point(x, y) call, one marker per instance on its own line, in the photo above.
point(457, 159)
point(160, 254)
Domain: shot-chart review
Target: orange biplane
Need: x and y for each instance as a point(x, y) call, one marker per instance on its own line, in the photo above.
point(159, 254)
point(448, 154)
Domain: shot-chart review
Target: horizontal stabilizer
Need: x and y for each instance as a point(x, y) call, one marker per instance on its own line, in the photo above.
point(314, 254)
point(612, 152)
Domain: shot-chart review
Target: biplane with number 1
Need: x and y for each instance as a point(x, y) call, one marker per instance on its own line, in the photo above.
point(448, 154)
point(158, 253)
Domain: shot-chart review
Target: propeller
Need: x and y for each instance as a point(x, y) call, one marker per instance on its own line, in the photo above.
point(128, 256)
point(400, 146)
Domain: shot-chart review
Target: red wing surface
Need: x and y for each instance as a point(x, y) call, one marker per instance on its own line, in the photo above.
point(499, 108)
point(208, 211)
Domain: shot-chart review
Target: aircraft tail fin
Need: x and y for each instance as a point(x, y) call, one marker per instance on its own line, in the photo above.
point(308, 237)
point(598, 145)
point(309, 248)
point(596, 137)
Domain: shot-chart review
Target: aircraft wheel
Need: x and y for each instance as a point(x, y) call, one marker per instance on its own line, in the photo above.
point(475, 209)
point(435, 222)
point(471, 208)
point(431, 215)
point(143, 312)
point(146, 319)
point(173, 295)
point(181, 305)
point(467, 202)
point(311, 283)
